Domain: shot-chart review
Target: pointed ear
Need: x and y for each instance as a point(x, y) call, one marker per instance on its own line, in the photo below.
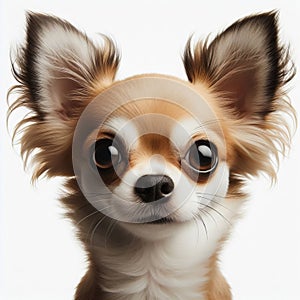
point(244, 65)
point(60, 66)
point(59, 70)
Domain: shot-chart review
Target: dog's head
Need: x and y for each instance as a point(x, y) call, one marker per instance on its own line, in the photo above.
point(152, 148)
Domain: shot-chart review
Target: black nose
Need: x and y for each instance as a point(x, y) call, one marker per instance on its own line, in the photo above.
point(151, 188)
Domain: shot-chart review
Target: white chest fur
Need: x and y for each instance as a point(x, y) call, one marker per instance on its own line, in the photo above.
point(167, 268)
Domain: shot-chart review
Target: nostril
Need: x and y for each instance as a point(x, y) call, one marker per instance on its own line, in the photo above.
point(167, 187)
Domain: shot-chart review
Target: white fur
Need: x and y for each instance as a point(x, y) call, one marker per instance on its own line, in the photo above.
point(166, 269)
point(124, 129)
point(57, 47)
point(165, 262)
point(185, 129)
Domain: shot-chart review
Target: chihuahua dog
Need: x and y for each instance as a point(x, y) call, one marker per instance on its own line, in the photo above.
point(155, 166)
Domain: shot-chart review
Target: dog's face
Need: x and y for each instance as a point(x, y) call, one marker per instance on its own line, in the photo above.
point(151, 159)
point(154, 149)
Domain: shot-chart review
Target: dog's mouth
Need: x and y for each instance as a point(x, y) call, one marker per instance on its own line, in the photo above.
point(164, 220)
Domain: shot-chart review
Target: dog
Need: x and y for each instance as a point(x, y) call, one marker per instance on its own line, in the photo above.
point(155, 166)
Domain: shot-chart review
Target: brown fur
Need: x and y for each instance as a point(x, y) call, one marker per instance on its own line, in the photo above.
point(217, 287)
point(88, 288)
point(254, 135)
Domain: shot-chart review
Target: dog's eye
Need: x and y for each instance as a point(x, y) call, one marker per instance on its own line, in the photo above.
point(202, 156)
point(106, 154)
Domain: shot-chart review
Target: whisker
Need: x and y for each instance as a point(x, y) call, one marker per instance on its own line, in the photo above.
point(195, 220)
point(97, 194)
point(198, 230)
point(215, 210)
point(204, 226)
point(93, 213)
point(213, 121)
point(89, 203)
point(86, 217)
point(202, 125)
point(95, 228)
point(203, 210)
point(210, 194)
point(109, 231)
point(95, 199)
point(214, 201)
point(228, 196)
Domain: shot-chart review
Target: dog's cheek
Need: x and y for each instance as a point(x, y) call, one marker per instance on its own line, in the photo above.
point(218, 183)
point(202, 195)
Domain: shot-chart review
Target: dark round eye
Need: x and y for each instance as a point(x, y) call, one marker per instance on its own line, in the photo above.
point(106, 154)
point(202, 156)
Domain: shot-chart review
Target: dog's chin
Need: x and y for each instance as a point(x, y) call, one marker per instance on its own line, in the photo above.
point(154, 230)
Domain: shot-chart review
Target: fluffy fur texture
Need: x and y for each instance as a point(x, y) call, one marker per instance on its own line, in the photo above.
point(241, 74)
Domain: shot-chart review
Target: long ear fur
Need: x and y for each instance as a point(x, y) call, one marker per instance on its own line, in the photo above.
point(246, 69)
point(59, 70)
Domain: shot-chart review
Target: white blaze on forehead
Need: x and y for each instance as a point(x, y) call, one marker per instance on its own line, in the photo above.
point(187, 128)
point(183, 130)
point(154, 165)
point(124, 128)
point(157, 164)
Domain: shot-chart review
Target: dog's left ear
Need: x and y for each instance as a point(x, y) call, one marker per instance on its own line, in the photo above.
point(243, 65)
point(246, 69)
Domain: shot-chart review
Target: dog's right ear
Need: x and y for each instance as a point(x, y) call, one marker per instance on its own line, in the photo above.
point(59, 67)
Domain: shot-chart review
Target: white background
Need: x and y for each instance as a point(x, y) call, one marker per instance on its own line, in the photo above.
point(39, 256)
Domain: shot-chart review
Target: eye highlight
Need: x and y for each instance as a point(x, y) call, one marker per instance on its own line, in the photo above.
point(202, 157)
point(106, 154)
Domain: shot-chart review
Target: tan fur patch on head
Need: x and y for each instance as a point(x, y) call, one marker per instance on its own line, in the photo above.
point(152, 106)
point(151, 144)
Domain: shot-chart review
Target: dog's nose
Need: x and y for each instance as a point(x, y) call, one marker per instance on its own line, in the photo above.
point(151, 188)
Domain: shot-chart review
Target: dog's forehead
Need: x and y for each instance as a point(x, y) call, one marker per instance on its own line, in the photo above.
point(149, 104)
point(154, 116)
point(150, 94)
point(148, 114)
